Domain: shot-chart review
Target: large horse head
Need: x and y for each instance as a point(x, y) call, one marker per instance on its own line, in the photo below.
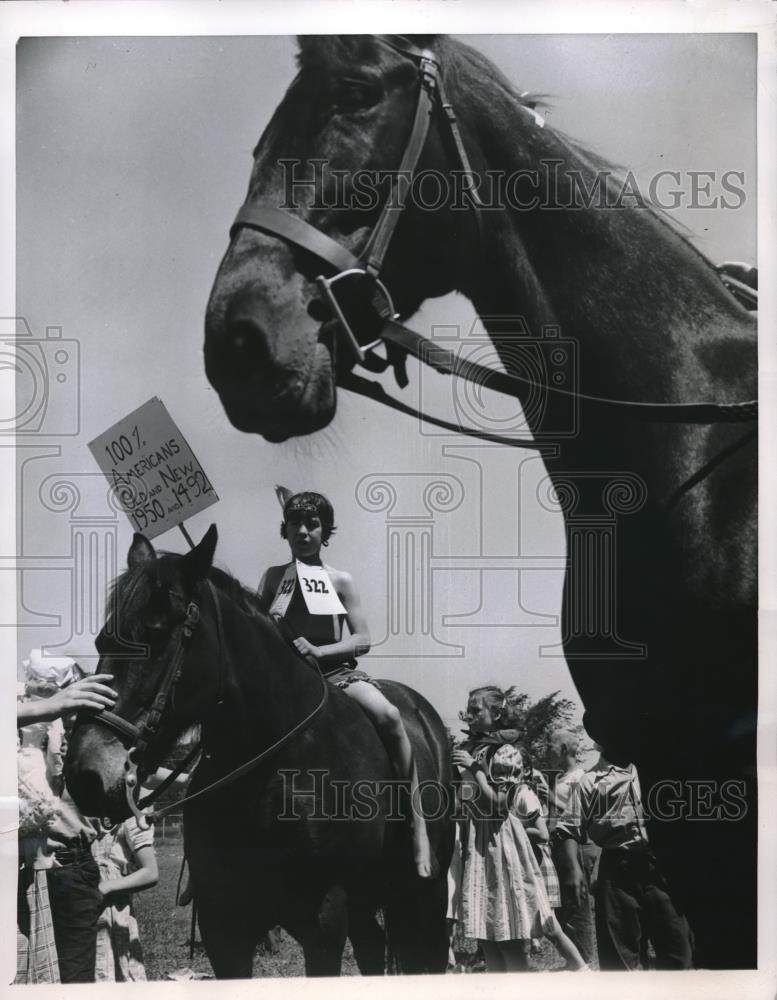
point(149, 613)
point(331, 158)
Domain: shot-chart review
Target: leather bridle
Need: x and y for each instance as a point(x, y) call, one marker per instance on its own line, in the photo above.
point(399, 340)
point(138, 738)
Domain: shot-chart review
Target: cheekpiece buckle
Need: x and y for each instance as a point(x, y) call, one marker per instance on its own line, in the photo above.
point(191, 620)
point(131, 788)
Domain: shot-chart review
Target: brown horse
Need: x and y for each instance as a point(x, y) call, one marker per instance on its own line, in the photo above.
point(653, 324)
point(305, 836)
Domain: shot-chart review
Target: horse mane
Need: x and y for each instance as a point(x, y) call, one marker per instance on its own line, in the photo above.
point(471, 75)
point(140, 585)
point(244, 599)
point(476, 75)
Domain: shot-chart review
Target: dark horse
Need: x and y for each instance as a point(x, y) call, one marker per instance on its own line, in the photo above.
point(653, 323)
point(304, 839)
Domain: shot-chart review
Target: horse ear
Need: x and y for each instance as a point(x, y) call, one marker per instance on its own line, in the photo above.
point(141, 551)
point(195, 564)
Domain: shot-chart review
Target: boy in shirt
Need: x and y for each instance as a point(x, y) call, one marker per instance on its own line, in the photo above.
point(632, 898)
point(575, 914)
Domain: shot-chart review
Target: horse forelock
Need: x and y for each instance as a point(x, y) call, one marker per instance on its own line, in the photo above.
point(339, 53)
point(130, 593)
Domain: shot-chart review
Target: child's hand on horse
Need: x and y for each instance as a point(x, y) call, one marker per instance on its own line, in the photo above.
point(307, 648)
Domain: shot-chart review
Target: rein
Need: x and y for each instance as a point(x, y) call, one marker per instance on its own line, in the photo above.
point(140, 737)
point(399, 340)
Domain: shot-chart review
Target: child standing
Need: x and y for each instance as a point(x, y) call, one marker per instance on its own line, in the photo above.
point(127, 862)
point(531, 805)
point(632, 899)
point(503, 894)
point(575, 916)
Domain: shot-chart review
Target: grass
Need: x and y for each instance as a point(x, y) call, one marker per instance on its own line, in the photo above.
point(165, 930)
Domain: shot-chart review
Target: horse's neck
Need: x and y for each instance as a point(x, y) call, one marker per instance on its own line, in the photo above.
point(268, 686)
point(648, 315)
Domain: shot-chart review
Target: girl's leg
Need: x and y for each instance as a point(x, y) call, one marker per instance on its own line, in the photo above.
point(564, 946)
point(514, 956)
point(387, 720)
point(492, 952)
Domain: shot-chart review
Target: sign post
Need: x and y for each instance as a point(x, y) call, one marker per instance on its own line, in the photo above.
point(154, 473)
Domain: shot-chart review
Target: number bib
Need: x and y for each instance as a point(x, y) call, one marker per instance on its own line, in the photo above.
point(283, 594)
point(317, 589)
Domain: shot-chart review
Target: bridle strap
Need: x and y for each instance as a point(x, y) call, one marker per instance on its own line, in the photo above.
point(375, 391)
point(401, 340)
point(179, 769)
point(260, 758)
point(144, 734)
point(276, 222)
point(447, 363)
point(279, 223)
point(375, 251)
point(120, 726)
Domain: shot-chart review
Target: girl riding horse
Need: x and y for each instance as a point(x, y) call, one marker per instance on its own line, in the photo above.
point(308, 524)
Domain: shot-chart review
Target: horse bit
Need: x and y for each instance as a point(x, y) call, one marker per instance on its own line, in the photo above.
point(401, 341)
point(140, 737)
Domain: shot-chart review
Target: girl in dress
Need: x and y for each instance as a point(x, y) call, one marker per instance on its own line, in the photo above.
point(127, 862)
point(504, 900)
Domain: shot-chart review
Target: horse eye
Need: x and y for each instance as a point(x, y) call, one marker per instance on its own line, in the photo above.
point(154, 623)
point(356, 95)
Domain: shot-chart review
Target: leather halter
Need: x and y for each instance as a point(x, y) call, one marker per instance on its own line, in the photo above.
point(400, 341)
point(139, 737)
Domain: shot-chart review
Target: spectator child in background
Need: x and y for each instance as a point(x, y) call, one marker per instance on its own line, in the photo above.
point(575, 915)
point(632, 898)
point(127, 862)
point(504, 901)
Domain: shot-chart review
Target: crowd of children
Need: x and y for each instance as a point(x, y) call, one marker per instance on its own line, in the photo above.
point(504, 886)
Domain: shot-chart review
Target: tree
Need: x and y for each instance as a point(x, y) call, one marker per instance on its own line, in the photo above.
point(538, 722)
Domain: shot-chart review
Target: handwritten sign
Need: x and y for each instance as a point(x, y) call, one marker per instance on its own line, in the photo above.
point(155, 476)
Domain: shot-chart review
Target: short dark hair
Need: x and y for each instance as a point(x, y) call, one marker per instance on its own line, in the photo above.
point(310, 503)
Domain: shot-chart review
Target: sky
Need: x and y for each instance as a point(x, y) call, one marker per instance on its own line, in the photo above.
point(133, 155)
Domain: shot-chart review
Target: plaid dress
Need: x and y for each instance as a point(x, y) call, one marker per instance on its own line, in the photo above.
point(36, 952)
point(528, 806)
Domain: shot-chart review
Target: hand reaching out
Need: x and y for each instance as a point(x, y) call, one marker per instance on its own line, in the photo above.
point(89, 693)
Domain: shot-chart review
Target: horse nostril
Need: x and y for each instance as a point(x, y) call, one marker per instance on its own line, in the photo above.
point(318, 311)
point(247, 344)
